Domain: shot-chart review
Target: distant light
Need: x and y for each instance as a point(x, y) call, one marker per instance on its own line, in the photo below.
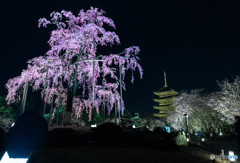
point(220, 134)
point(94, 125)
point(202, 139)
point(195, 133)
point(133, 126)
point(231, 156)
point(13, 124)
point(147, 126)
point(6, 159)
point(210, 134)
point(167, 129)
point(187, 139)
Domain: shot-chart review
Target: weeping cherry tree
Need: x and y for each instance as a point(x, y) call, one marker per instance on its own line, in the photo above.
point(72, 67)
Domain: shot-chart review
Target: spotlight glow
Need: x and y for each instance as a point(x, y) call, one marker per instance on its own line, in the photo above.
point(211, 135)
point(13, 124)
point(6, 159)
point(94, 125)
point(231, 156)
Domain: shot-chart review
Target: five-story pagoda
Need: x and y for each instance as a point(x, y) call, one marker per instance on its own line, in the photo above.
point(165, 100)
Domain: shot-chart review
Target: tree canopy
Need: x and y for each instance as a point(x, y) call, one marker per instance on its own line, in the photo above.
point(71, 64)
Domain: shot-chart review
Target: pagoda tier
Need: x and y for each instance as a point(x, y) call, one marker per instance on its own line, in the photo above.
point(160, 115)
point(165, 100)
point(167, 92)
point(164, 108)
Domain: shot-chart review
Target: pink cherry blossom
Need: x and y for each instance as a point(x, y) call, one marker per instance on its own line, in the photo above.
point(68, 63)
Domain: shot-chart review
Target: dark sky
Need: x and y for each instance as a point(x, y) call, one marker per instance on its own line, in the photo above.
point(196, 42)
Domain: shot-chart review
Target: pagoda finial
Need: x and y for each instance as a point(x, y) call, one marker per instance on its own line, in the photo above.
point(165, 79)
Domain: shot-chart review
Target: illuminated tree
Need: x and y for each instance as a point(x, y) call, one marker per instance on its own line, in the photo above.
point(201, 116)
point(71, 65)
point(183, 105)
point(227, 100)
point(205, 117)
point(152, 123)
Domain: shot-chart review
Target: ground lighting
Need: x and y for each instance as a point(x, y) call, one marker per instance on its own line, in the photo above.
point(93, 125)
point(6, 159)
point(231, 156)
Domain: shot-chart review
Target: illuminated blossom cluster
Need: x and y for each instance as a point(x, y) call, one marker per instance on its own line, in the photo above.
point(68, 64)
point(184, 106)
point(227, 100)
point(209, 112)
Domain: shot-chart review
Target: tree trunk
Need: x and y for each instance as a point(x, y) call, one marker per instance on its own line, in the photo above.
point(24, 98)
point(50, 114)
point(68, 115)
point(63, 114)
point(57, 116)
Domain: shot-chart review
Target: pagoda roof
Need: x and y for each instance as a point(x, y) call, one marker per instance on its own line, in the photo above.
point(164, 89)
point(160, 115)
point(162, 107)
point(167, 99)
point(166, 92)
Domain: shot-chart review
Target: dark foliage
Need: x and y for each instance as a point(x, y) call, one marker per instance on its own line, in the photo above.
point(62, 137)
point(149, 139)
point(109, 134)
point(29, 133)
point(2, 142)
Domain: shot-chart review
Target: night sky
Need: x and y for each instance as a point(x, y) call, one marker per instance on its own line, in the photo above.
point(195, 42)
